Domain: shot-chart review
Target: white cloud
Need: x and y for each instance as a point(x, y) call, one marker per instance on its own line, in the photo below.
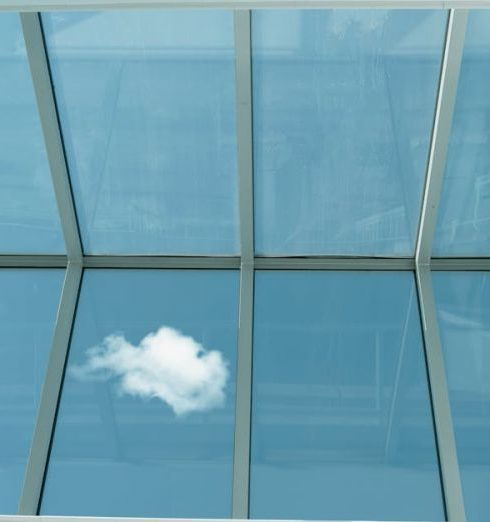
point(166, 365)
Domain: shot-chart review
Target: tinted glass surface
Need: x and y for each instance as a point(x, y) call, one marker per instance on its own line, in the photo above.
point(28, 305)
point(464, 212)
point(29, 220)
point(463, 303)
point(343, 110)
point(341, 418)
point(146, 102)
point(146, 421)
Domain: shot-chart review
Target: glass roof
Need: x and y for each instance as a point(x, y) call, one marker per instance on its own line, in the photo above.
point(29, 221)
point(261, 198)
point(464, 215)
point(343, 105)
point(341, 142)
point(147, 110)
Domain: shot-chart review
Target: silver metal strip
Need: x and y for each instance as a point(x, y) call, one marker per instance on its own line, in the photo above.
point(241, 467)
point(33, 261)
point(244, 117)
point(243, 65)
point(446, 99)
point(47, 518)
point(39, 66)
point(161, 262)
point(462, 263)
point(51, 5)
point(441, 132)
point(329, 263)
point(262, 263)
point(448, 458)
point(38, 458)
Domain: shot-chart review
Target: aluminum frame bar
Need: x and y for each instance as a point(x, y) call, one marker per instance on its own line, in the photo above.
point(244, 119)
point(332, 263)
point(33, 261)
point(461, 263)
point(52, 5)
point(46, 417)
point(41, 77)
point(441, 132)
point(170, 262)
point(260, 263)
point(448, 457)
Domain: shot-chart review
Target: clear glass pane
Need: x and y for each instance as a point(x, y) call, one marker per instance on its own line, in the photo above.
point(146, 421)
point(463, 227)
point(29, 221)
point(463, 303)
point(28, 305)
point(341, 418)
point(343, 110)
point(147, 106)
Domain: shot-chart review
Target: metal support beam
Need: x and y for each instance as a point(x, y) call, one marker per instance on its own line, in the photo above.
point(448, 458)
point(161, 262)
point(243, 61)
point(33, 261)
point(243, 67)
point(333, 263)
point(461, 263)
point(51, 5)
point(38, 63)
point(41, 442)
point(441, 132)
point(241, 471)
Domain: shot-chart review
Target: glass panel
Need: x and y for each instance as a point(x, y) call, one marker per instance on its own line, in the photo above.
point(463, 303)
point(341, 418)
point(146, 420)
point(28, 305)
point(29, 221)
point(147, 105)
point(343, 110)
point(464, 216)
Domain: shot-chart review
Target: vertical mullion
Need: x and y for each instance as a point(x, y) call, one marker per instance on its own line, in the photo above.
point(243, 61)
point(441, 132)
point(41, 78)
point(448, 457)
point(46, 417)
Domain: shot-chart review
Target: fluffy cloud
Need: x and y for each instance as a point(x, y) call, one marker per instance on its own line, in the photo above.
point(166, 365)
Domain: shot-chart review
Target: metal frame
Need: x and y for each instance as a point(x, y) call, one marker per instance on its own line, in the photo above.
point(448, 86)
point(75, 261)
point(241, 462)
point(41, 77)
point(41, 442)
point(51, 5)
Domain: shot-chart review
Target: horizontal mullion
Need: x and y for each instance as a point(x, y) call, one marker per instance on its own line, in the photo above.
point(261, 263)
point(460, 263)
point(33, 261)
point(334, 263)
point(45, 5)
point(160, 262)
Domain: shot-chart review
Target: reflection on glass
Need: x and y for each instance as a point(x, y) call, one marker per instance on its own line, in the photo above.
point(165, 365)
point(28, 304)
point(464, 216)
point(146, 102)
point(463, 303)
point(341, 418)
point(343, 111)
point(29, 220)
point(147, 414)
